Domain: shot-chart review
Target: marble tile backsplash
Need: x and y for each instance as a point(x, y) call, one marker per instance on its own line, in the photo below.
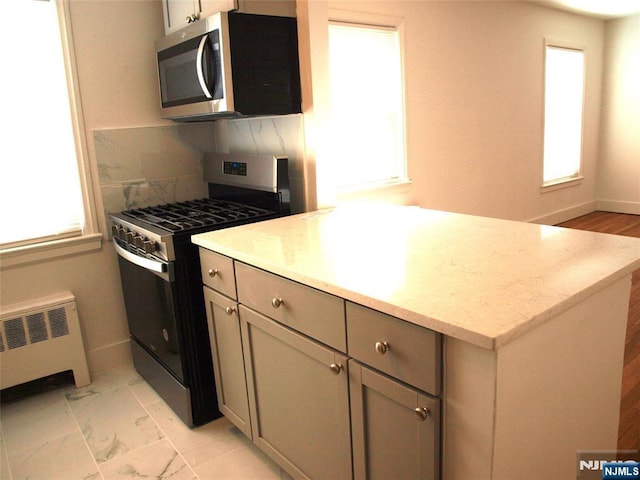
point(278, 135)
point(139, 167)
point(146, 166)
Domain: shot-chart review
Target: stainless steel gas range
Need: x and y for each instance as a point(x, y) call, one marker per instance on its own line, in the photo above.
point(160, 273)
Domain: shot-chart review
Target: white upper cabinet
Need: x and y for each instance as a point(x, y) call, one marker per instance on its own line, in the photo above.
point(179, 13)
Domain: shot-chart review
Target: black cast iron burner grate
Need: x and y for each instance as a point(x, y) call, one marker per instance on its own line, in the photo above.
point(194, 214)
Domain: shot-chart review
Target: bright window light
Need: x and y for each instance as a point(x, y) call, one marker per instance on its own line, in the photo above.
point(40, 193)
point(564, 93)
point(367, 105)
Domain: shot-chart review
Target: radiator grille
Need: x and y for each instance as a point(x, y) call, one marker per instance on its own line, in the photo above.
point(58, 322)
point(41, 337)
point(37, 328)
point(33, 328)
point(14, 331)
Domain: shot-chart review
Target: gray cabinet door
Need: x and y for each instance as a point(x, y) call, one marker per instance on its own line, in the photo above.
point(393, 435)
point(228, 361)
point(298, 398)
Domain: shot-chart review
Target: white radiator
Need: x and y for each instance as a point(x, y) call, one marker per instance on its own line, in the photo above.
point(40, 338)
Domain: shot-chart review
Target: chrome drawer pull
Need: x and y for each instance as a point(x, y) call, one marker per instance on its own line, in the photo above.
point(423, 413)
point(213, 272)
point(230, 310)
point(336, 368)
point(277, 302)
point(382, 347)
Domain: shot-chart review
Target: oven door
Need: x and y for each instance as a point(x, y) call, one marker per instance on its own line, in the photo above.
point(151, 302)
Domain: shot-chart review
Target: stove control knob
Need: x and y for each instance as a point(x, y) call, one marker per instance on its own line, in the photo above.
point(138, 240)
point(149, 246)
point(128, 236)
point(114, 230)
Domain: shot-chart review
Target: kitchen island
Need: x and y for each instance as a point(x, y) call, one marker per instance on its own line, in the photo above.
point(529, 324)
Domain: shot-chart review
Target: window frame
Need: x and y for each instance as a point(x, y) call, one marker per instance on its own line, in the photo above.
point(371, 191)
point(90, 237)
point(578, 177)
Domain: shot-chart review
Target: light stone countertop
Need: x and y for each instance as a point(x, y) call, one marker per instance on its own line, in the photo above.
point(482, 280)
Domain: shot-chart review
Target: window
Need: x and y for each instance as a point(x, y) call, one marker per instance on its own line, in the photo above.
point(367, 106)
point(41, 190)
point(564, 93)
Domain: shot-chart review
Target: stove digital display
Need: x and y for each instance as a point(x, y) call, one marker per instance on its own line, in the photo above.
point(235, 168)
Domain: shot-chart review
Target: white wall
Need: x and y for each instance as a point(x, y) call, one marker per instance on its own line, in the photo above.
point(474, 95)
point(619, 165)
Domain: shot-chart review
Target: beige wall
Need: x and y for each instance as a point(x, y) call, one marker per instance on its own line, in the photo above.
point(115, 51)
point(475, 126)
point(619, 167)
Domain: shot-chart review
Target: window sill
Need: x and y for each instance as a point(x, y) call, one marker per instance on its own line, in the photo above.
point(382, 192)
point(44, 251)
point(561, 183)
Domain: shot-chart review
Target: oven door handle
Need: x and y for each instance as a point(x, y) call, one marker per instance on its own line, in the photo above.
point(160, 268)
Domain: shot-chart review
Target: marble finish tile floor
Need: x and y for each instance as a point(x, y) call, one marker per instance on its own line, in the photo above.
point(119, 428)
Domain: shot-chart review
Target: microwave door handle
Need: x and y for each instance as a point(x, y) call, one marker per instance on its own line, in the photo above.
point(199, 59)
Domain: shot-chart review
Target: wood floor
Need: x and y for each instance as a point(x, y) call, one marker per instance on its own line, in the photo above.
point(629, 225)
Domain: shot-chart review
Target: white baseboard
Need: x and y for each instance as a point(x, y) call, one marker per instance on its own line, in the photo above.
point(106, 358)
point(619, 206)
point(560, 216)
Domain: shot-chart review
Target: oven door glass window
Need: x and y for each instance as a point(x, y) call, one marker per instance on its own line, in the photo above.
point(151, 313)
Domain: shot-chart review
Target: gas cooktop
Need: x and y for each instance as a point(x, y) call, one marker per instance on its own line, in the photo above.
point(194, 214)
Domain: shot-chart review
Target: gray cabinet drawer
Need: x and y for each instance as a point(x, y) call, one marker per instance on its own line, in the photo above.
point(217, 272)
point(405, 351)
point(305, 309)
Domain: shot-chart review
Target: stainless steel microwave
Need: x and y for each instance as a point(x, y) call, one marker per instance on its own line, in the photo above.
point(233, 64)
